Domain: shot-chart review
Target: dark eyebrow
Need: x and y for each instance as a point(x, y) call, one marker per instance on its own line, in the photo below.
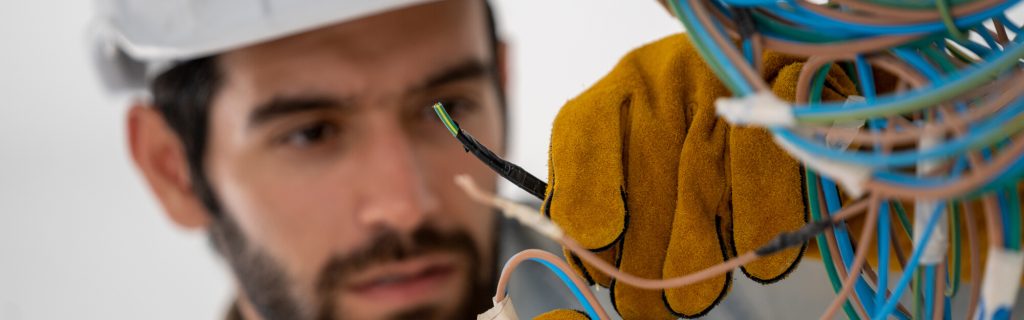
point(281, 106)
point(471, 68)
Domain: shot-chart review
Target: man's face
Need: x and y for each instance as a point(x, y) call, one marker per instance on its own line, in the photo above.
point(335, 176)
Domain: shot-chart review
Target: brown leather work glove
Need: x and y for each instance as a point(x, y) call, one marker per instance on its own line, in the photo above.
point(642, 171)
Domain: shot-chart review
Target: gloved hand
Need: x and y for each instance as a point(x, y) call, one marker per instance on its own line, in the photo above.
point(642, 171)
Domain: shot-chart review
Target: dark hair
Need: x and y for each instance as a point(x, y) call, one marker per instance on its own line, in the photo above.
point(183, 96)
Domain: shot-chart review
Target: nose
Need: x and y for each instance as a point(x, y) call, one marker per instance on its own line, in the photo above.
point(394, 193)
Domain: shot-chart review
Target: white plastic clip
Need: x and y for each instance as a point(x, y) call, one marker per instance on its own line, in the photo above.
point(760, 109)
point(834, 138)
point(999, 289)
point(849, 176)
point(935, 250)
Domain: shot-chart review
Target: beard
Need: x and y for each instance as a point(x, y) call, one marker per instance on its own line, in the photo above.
point(270, 291)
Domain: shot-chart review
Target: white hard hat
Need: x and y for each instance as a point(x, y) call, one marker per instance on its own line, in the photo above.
point(135, 40)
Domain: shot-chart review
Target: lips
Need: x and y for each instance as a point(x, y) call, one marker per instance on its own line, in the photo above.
point(407, 281)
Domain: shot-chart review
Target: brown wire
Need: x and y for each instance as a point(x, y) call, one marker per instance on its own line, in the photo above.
point(1001, 32)
point(833, 248)
point(866, 235)
point(644, 283)
point(730, 51)
point(897, 249)
point(757, 44)
point(969, 182)
point(975, 257)
point(909, 15)
point(979, 174)
point(519, 258)
point(910, 135)
point(887, 16)
point(831, 49)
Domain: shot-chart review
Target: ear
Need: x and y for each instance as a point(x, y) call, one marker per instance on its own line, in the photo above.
point(160, 155)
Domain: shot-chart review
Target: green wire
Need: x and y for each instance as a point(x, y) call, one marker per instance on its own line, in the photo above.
point(960, 55)
point(915, 291)
point(767, 24)
point(913, 4)
point(901, 212)
point(1000, 134)
point(939, 58)
point(947, 19)
point(814, 204)
point(968, 81)
point(826, 257)
point(446, 119)
point(954, 218)
point(818, 83)
point(705, 53)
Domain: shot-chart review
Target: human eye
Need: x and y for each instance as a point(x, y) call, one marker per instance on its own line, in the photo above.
point(309, 135)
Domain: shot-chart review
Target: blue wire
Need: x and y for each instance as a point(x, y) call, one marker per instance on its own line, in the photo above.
point(1008, 57)
point(572, 286)
point(810, 18)
point(911, 157)
point(716, 53)
point(947, 310)
point(1009, 24)
point(919, 63)
point(884, 238)
point(750, 3)
point(989, 40)
point(1009, 176)
point(1004, 214)
point(915, 259)
point(748, 50)
point(832, 203)
point(980, 50)
point(929, 291)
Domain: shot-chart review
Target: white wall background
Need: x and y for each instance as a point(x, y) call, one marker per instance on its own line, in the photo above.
point(82, 238)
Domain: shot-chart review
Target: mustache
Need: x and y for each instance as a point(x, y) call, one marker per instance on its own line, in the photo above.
point(388, 245)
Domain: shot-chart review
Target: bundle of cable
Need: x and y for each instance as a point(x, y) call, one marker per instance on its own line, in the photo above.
point(936, 130)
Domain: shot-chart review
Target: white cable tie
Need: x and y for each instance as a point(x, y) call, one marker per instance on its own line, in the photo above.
point(759, 109)
point(999, 289)
point(935, 250)
point(937, 245)
point(849, 176)
point(850, 127)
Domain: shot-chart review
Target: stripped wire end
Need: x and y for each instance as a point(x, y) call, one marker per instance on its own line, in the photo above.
point(446, 119)
point(525, 215)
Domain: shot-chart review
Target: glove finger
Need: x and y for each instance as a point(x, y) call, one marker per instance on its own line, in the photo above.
point(656, 133)
point(783, 74)
point(585, 195)
point(702, 194)
point(767, 190)
point(590, 274)
point(767, 199)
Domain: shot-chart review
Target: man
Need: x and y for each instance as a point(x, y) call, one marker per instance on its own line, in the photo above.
point(300, 137)
point(312, 157)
